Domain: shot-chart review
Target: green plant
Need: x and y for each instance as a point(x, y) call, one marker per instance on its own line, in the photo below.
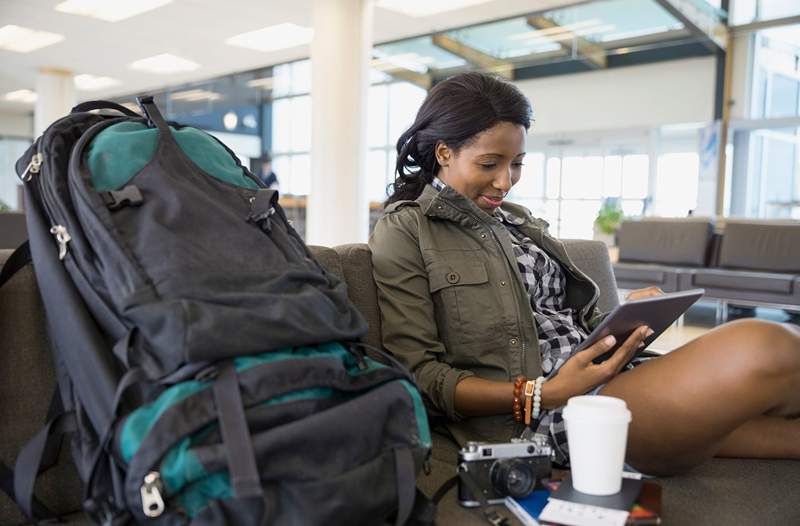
point(609, 217)
point(4, 207)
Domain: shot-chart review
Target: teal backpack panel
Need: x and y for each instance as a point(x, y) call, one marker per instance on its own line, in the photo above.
point(185, 478)
point(120, 151)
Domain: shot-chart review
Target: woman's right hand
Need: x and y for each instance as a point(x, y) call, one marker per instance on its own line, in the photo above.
point(579, 374)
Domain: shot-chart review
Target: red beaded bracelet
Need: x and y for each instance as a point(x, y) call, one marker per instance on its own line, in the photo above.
point(519, 382)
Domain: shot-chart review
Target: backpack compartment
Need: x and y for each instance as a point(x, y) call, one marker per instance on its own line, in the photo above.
point(321, 427)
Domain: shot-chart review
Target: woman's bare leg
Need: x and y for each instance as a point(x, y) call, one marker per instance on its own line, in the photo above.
point(763, 437)
point(699, 400)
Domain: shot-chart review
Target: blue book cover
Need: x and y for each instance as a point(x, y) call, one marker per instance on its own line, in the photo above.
point(527, 510)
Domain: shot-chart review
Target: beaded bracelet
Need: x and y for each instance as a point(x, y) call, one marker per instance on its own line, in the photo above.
point(519, 381)
point(537, 397)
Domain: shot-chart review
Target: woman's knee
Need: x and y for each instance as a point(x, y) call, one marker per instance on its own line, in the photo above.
point(766, 348)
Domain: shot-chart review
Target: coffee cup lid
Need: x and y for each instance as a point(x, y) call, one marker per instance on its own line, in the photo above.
point(601, 408)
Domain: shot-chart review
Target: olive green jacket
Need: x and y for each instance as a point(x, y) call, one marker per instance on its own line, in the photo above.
point(453, 304)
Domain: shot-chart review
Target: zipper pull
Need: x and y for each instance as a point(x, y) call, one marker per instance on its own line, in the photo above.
point(33, 167)
point(152, 502)
point(63, 237)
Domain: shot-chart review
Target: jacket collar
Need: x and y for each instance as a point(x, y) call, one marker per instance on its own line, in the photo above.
point(449, 204)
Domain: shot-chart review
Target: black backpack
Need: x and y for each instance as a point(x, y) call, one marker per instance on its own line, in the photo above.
point(209, 369)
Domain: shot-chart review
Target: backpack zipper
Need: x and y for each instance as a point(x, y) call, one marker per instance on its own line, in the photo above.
point(33, 167)
point(152, 501)
point(62, 237)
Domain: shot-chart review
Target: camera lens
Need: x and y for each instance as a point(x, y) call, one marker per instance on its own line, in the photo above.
point(513, 477)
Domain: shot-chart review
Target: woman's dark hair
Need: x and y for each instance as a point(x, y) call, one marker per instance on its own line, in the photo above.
point(454, 112)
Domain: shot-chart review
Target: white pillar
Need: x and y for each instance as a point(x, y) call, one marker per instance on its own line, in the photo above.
point(337, 209)
point(55, 90)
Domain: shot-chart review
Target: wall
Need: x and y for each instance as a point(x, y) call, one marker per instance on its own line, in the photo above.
point(672, 92)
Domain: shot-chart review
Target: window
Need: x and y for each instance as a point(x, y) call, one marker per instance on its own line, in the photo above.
point(567, 188)
point(392, 108)
point(10, 151)
point(291, 127)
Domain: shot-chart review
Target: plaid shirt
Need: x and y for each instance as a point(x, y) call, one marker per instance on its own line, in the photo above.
point(557, 326)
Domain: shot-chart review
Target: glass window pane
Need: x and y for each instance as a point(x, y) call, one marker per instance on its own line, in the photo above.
point(612, 176)
point(577, 219)
point(376, 175)
point(632, 207)
point(282, 125)
point(583, 177)
point(676, 184)
point(301, 174)
point(404, 101)
point(551, 215)
point(531, 183)
point(282, 80)
point(635, 170)
point(281, 165)
point(301, 123)
point(553, 177)
point(301, 77)
point(377, 118)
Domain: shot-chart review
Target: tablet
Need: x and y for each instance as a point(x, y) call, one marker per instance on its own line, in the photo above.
point(657, 312)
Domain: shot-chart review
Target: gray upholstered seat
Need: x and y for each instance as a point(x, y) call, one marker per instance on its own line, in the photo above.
point(12, 230)
point(655, 251)
point(731, 492)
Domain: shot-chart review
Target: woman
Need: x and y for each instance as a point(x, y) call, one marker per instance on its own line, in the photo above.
point(475, 294)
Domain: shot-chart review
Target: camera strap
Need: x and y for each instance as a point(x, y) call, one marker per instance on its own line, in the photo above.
point(491, 516)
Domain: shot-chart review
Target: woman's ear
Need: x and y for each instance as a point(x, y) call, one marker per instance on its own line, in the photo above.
point(443, 154)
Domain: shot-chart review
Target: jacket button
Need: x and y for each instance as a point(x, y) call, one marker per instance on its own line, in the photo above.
point(483, 235)
point(453, 277)
point(502, 283)
point(512, 341)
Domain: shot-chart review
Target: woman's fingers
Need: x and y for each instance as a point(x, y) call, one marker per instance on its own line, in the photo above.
point(603, 346)
point(628, 349)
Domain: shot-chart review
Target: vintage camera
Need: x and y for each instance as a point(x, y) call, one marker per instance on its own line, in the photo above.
point(501, 470)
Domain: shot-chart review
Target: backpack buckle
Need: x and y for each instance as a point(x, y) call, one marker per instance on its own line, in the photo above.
point(128, 196)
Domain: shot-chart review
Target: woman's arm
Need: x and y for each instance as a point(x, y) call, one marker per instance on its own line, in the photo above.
point(408, 322)
point(478, 397)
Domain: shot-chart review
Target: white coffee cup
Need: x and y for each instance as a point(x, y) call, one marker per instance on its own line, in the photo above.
point(597, 432)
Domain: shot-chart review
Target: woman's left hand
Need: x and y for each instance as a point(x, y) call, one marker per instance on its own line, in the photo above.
point(648, 292)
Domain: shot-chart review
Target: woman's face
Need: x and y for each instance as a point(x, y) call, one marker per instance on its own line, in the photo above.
point(485, 170)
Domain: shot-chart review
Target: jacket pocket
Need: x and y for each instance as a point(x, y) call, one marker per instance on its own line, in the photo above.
point(465, 302)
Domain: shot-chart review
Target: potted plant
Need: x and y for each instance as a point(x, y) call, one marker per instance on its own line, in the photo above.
point(608, 220)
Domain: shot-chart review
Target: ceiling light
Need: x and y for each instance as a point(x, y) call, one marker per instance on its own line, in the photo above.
point(411, 61)
point(164, 64)
point(21, 95)
point(420, 8)
point(108, 10)
point(194, 95)
point(86, 82)
point(265, 83)
point(23, 40)
point(271, 38)
point(230, 120)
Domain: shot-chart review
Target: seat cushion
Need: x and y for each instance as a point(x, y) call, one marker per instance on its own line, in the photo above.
point(638, 275)
point(772, 246)
point(27, 383)
point(743, 280)
point(13, 231)
point(667, 241)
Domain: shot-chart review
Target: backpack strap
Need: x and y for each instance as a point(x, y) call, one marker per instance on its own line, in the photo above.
point(16, 262)
point(31, 459)
point(242, 465)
